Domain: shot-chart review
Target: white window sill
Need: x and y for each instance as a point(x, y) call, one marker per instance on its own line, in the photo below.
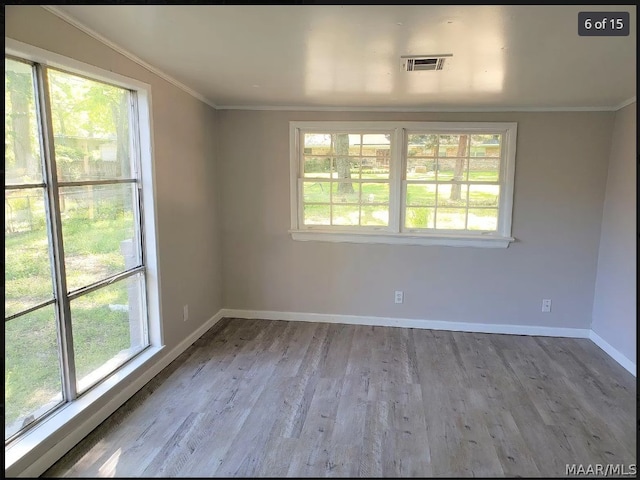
point(28, 447)
point(481, 241)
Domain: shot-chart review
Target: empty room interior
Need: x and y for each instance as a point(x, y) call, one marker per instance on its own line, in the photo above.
point(320, 240)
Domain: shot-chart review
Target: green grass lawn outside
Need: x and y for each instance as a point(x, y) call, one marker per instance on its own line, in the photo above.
point(32, 367)
point(368, 204)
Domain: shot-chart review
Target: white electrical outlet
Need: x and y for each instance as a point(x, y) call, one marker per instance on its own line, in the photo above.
point(185, 313)
point(399, 296)
point(546, 305)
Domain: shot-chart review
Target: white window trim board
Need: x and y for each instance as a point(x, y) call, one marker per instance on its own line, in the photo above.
point(395, 233)
point(55, 60)
point(401, 238)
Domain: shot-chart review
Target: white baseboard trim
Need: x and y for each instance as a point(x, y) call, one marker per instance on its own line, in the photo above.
point(410, 323)
point(38, 462)
point(629, 365)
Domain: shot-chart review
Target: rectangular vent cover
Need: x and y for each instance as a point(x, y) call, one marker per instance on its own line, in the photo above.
point(415, 63)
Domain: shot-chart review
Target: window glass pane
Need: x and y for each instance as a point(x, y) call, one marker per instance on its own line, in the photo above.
point(375, 167)
point(484, 195)
point(355, 166)
point(419, 217)
point(317, 215)
point(349, 144)
point(32, 379)
point(107, 327)
point(317, 144)
point(346, 144)
point(421, 169)
point(316, 192)
point(355, 143)
point(346, 168)
point(484, 170)
point(375, 215)
point(483, 219)
point(485, 145)
point(91, 128)
point(99, 232)
point(317, 167)
point(21, 140)
point(346, 192)
point(452, 194)
point(420, 145)
point(375, 193)
point(453, 145)
point(27, 273)
point(451, 169)
point(376, 144)
point(421, 194)
point(346, 214)
point(450, 218)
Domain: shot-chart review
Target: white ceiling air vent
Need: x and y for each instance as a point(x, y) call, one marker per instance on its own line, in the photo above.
point(415, 63)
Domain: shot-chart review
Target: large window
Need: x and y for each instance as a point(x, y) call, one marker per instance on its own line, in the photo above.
point(75, 269)
point(403, 182)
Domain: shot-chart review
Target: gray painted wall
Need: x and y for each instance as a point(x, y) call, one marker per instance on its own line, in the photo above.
point(614, 306)
point(561, 168)
point(185, 169)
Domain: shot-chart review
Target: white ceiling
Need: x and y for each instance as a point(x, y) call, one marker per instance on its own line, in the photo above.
point(529, 57)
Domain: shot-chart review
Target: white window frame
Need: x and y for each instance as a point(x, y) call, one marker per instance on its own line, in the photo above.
point(28, 448)
point(395, 233)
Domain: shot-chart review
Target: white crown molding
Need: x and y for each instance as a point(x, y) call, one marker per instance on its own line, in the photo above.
point(297, 108)
point(80, 26)
point(625, 103)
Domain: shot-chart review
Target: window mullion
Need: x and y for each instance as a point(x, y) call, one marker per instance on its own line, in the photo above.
point(398, 152)
point(437, 177)
point(24, 186)
point(84, 183)
point(30, 309)
point(334, 164)
point(63, 309)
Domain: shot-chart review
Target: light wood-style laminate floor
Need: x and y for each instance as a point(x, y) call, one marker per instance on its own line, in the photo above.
point(275, 398)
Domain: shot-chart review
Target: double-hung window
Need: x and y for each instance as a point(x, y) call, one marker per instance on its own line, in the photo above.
point(76, 266)
point(422, 183)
